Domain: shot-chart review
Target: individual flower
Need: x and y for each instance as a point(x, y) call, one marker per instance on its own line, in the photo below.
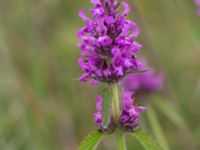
point(144, 83)
point(128, 120)
point(108, 44)
point(129, 114)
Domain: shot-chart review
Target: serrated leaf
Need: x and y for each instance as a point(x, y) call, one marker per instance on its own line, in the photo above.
point(169, 111)
point(106, 107)
point(91, 141)
point(146, 140)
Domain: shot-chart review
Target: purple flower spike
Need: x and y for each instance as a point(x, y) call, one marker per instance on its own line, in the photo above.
point(144, 83)
point(128, 120)
point(108, 45)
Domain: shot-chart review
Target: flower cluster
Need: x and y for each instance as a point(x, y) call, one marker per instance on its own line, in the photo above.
point(144, 83)
point(198, 4)
point(108, 43)
point(128, 119)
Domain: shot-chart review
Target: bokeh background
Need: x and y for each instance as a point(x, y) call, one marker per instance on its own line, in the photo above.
point(44, 107)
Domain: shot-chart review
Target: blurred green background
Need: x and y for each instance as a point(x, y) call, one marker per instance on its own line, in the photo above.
point(44, 107)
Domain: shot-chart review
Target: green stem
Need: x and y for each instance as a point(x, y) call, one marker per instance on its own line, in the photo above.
point(120, 140)
point(115, 102)
point(119, 136)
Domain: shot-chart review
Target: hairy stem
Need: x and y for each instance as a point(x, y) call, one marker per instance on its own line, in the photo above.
point(120, 140)
point(115, 102)
point(119, 135)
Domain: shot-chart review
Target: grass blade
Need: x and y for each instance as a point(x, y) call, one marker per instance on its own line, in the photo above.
point(169, 111)
point(156, 127)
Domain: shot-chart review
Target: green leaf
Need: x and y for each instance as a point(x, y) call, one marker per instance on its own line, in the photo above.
point(120, 139)
point(157, 129)
point(91, 141)
point(146, 140)
point(106, 107)
point(169, 111)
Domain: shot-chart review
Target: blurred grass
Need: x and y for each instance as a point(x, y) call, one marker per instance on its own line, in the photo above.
point(43, 106)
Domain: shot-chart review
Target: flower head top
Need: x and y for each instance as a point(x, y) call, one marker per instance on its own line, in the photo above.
point(108, 42)
point(144, 83)
point(129, 114)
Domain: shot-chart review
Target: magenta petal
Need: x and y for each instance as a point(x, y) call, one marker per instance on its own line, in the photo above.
point(98, 118)
point(95, 2)
point(127, 98)
point(126, 9)
point(84, 77)
point(82, 14)
point(99, 103)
